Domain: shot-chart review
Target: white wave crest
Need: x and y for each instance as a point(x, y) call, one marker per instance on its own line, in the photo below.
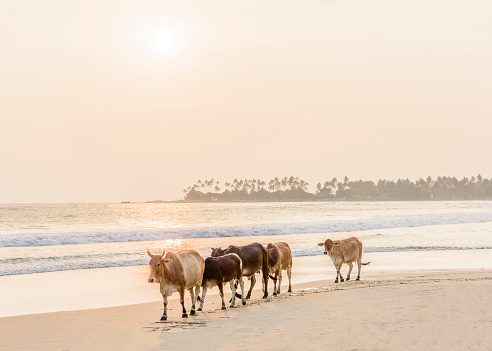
point(52, 239)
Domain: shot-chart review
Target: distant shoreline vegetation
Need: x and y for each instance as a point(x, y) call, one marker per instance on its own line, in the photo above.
point(295, 189)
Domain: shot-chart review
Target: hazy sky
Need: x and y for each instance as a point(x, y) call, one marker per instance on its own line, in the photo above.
point(136, 100)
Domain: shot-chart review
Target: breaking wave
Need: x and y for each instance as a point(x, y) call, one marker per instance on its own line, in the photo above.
point(52, 239)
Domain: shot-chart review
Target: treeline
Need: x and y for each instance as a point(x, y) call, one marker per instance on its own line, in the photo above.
point(296, 189)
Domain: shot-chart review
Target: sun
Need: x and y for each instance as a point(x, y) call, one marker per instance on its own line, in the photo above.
point(161, 36)
point(162, 41)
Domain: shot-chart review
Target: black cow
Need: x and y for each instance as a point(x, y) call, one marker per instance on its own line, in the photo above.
point(254, 258)
point(220, 270)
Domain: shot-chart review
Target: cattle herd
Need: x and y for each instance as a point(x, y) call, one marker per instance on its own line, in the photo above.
point(187, 270)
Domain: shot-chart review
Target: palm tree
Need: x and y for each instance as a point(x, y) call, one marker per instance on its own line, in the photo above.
point(291, 181)
point(284, 183)
point(261, 184)
point(296, 182)
point(277, 183)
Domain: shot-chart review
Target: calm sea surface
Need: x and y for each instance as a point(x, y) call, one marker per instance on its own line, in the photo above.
point(39, 238)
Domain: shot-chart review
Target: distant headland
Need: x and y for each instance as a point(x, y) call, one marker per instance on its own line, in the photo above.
point(295, 189)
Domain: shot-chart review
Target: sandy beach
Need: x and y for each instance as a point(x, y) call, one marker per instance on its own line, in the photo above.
point(400, 309)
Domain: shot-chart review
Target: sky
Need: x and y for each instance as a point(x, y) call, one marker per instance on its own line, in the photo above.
point(108, 101)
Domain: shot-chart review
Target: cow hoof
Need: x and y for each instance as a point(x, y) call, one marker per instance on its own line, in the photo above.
point(244, 303)
point(358, 278)
point(199, 309)
point(290, 290)
point(274, 294)
point(348, 278)
point(192, 313)
point(164, 318)
point(336, 281)
point(341, 279)
point(223, 307)
point(265, 297)
point(184, 315)
point(247, 297)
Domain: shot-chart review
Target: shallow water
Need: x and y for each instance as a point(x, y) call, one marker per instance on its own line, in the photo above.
point(55, 237)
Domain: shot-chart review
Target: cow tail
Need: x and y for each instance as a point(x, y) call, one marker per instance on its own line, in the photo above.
point(365, 264)
point(272, 277)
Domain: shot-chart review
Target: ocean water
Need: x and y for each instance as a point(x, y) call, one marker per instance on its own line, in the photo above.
point(37, 238)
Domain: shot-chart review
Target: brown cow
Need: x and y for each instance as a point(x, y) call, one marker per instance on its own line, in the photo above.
point(178, 271)
point(220, 270)
point(279, 258)
point(344, 251)
point(254, 257)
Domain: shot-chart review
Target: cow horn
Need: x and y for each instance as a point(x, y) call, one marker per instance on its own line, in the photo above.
point(148, 253)
point(163, 252)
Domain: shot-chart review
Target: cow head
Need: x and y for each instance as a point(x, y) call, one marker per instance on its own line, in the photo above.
point(327, 244)
point(217, 251)
point(156, 267)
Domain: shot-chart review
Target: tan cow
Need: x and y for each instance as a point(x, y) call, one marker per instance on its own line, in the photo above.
point(178, 271)
point(279, 258)
point(344, 251)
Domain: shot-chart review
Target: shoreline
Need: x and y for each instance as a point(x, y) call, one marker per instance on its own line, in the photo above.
point(293, 200)
point(438, 306)
point(119, 286)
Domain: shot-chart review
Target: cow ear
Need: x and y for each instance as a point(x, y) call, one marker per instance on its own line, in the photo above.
point(320, 244)
point(167, 261)
point(213, 248)
point(148, 253)
point(270, 250)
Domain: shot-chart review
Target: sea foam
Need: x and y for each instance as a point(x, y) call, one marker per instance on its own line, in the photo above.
point(53, 239)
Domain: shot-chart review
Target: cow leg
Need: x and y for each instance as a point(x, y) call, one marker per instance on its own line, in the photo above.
point(243, 299)
point(339, 273)
point(221, 292)
point(350, 270)
point(275, 283)
point(192, 295)
point(253, 281)
point(204, 292)
point(359, 264)
point(233, 289)
point(289, 275)
point(164, 315)
point(182, 300)
point(197, 294)
point(279, 281)
point(265, 277)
